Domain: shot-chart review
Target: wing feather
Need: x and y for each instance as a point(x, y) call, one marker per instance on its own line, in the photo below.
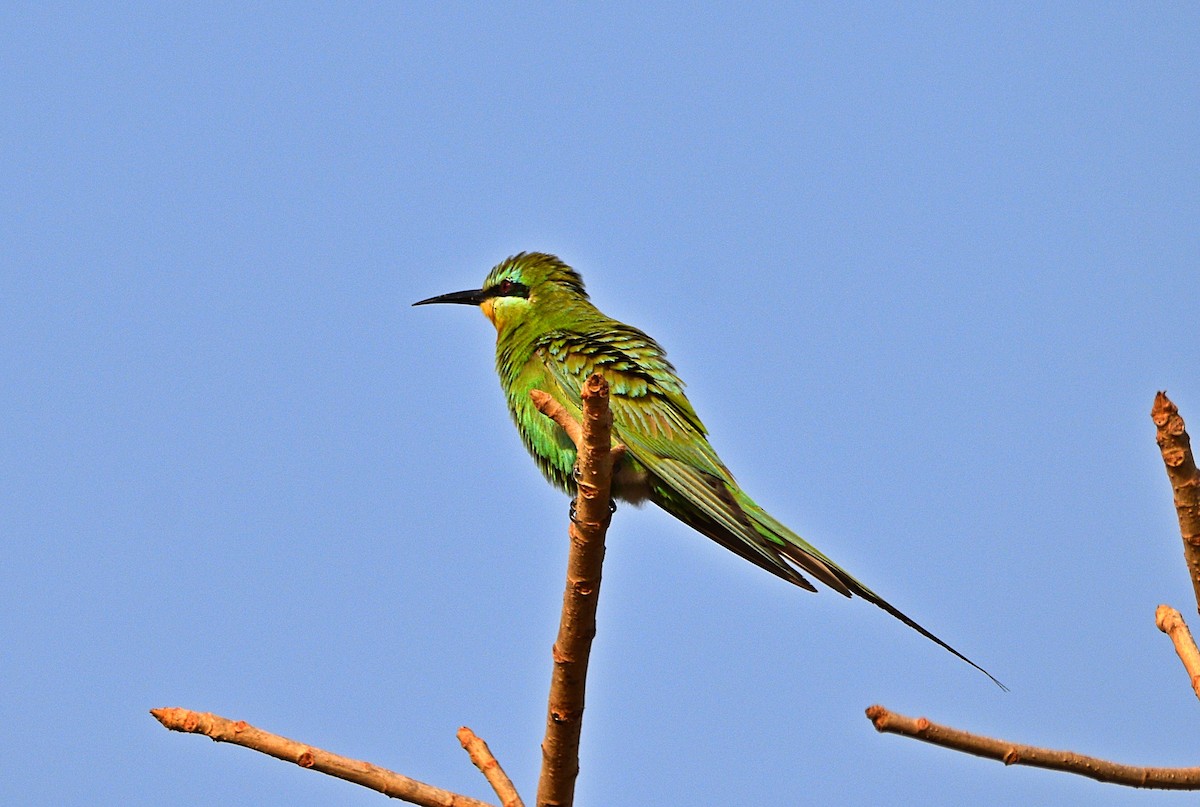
point(661, 431)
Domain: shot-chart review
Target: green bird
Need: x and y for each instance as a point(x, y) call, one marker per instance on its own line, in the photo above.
point(550, 337)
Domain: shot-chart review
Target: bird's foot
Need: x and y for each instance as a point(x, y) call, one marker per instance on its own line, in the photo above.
point(574, 515)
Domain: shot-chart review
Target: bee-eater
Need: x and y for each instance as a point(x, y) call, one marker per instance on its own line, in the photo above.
point(550, 337)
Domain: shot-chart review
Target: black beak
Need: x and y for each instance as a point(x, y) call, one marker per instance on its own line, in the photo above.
point(472, 297)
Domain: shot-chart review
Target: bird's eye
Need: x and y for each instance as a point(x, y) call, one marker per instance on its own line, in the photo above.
point(505, 286)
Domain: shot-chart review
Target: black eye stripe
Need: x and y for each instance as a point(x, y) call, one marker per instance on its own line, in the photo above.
point(508, 288)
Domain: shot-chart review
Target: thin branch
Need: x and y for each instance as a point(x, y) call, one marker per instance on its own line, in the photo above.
point(1171, 622)
point(1176, 449)
point(370, 776)
point(577, 626)
point(482, 756)
point(1017, 754)
point(552, 409)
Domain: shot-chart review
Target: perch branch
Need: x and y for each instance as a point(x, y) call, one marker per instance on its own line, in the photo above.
point(1016, 754)
point(1171, 622)
point(482, 756)
point(362, 773)
point(577, 626)
point(1176, 449)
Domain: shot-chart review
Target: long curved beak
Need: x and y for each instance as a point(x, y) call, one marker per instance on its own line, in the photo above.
point(471, 297)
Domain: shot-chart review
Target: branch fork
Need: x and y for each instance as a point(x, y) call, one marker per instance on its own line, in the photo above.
point(1173, 440)
point(577, 626)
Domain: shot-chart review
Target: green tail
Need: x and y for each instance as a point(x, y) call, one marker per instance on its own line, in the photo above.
point(806, 556)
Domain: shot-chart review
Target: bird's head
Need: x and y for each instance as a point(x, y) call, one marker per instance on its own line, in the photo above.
point(521, 287)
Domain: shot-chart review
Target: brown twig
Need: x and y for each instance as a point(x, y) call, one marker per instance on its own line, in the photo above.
point(389, 783)
point(577, 626)
point(1171, 622)
point(1185, 481)
point(552, 409)
point(1176, 449)
point(1016, 754)
point(482, 756)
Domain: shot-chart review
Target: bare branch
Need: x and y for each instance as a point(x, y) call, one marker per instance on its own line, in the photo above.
point(1171, 622)
point(1176, 449)
point(577, 626)
point(370, 776)
point(482, 756)
point(1017, 754)
point(552, 409)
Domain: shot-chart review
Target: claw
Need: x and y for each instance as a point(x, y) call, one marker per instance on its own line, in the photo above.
point(612, 508)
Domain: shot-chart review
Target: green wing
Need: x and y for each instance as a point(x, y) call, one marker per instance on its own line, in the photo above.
point(661, 431)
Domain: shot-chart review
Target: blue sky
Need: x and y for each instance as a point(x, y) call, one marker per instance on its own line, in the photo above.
point(923, 268)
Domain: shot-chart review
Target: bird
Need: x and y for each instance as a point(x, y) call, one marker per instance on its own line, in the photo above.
point(551, 337)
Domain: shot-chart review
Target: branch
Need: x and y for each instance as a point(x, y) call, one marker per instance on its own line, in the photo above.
point(1171, 622)
point(552, 409)
point(481, 755)
point(1185, 480)
point(1016, 754)
point(577, 626)
point(370, 776)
